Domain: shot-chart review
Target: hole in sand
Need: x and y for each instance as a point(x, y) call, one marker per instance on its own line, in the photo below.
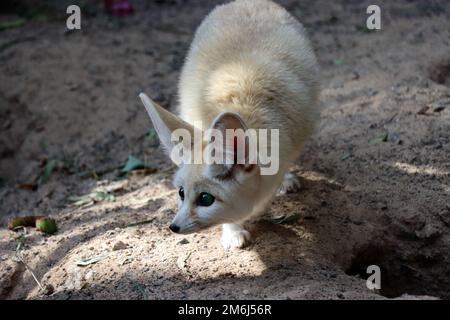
point(398, 276)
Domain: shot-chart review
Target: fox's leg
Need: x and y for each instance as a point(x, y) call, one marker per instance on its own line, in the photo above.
point(234, 236)
point(290, 184)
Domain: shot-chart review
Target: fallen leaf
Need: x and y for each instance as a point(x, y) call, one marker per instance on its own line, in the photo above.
point(91, 260)
point(79, 200)
point(102, 195)
point(284, 219)
point(46, 225)
point(140, 223)
point(49, 167)
point(381, 138)
point(12, 24)
point(25, 221)
point(133, 163)
point(27, 186)
point(96, 196)
point(346, 156)
point(116, 186)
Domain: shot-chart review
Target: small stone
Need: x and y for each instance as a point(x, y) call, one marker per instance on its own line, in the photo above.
point(245, 292)
point(183, 241)
point(119, 245)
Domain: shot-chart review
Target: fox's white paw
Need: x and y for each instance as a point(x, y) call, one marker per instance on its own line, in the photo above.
point(234, 236)
point(290, 184)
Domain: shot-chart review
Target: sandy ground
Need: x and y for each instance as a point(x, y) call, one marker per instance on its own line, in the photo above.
point(375, 177)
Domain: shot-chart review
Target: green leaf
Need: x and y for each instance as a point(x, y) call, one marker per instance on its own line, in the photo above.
point(12, 24)
point(381, 138)
point(101, 195)
point(79, 200)
point(94, 196)
point(346, 156)
point(133, 163)
point(46, 225)
point(49, 167)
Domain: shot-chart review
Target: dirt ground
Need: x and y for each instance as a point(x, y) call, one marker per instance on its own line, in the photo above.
point(375, 176)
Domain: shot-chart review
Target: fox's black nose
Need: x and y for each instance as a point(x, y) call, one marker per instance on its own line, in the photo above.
point(174, 228)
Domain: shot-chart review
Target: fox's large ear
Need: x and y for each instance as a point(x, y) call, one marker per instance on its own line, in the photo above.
point(164, 122)
point(236, 151)
point(228, 120)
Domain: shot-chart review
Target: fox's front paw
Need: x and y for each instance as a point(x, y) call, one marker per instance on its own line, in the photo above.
point(291, 184)
point(234, 236)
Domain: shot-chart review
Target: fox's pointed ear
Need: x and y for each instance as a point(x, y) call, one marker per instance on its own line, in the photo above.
point(236, 145)
point(164, 122)
point(228, 120)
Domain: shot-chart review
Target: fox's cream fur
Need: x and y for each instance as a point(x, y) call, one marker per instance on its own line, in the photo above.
point(250, 65)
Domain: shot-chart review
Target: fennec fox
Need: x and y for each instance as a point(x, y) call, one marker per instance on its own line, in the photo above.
point(250, 65)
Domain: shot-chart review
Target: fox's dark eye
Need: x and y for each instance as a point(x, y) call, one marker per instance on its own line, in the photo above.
point(205, 199)
point(181, 193)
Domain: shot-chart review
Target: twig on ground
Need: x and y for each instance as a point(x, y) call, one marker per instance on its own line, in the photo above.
point(140, 223)
point(21, 259)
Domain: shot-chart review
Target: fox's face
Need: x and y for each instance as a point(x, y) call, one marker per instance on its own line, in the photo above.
point(208, 194)
point(206, 197)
